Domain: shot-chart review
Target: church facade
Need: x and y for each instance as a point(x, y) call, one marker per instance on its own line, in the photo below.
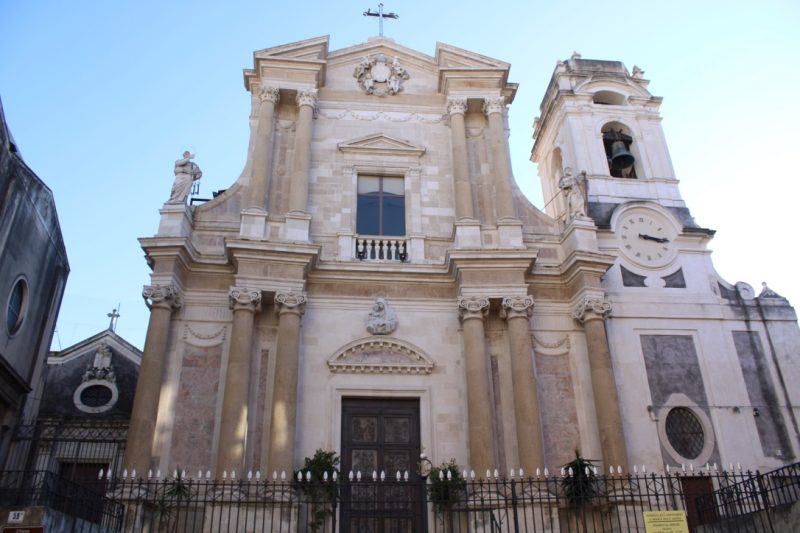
point(375, 284)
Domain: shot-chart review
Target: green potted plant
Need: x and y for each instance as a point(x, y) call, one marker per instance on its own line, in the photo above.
point(318, 489)
point(580, 488)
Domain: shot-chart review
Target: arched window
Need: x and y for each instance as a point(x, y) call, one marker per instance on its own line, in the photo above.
point(617, 141)
point(608, 98)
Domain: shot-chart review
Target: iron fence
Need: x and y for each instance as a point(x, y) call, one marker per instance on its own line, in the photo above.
point(397, 504)
point(738, 506)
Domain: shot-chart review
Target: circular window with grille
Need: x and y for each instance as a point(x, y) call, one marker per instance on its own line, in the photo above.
point(95, 396)
point(685, 432)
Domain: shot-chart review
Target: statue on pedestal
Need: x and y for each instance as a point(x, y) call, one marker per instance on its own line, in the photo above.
point(186, 173)
point(573, 189)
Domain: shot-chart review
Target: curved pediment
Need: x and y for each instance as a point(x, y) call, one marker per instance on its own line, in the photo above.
point(379, 354)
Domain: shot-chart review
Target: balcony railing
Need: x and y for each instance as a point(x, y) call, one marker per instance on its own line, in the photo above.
point(381, 249)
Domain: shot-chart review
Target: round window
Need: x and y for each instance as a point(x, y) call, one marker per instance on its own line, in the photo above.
point(96, 396)
point(15, 312)
point(685, 432)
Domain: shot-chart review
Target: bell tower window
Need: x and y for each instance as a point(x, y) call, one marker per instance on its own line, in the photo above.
point(617, 144)
point(381, 208)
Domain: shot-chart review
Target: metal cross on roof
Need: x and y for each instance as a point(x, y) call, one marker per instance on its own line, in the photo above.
point(113, 315)
point(381, 15)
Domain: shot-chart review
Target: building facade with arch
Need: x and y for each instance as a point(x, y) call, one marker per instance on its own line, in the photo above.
point(375, 283)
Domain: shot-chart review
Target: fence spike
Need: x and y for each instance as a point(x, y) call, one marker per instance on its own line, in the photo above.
point(683, 467)
point(125, 474)
point(635, 470)
point(274, 475)
point(175, 473)
point(374, 475)
point(258, 475)
point(667, 468)
point(224, 474)
point(358, 475)
point(691, 467)
point(158, 473)
point(464, 474)
point(150, 474)
point(511, 473)
point(208, 474)
point(100, 474)
point(521, 474)
point(351, 475)
point(586, 471)
point(308, 475)
point(546, 473)
point(644, 470)
point(398, 476)
point(538, 472)
point(299, 476)
point(488, 474)
point(619, 469)
point(249, 475)
point(594, 468)
point(739, 467)
point(325, 476)
point(708, 467)
point(715, 467)
point(441, 475)
point(611, 470)
point(283, 475)
point(199, 474)
point(449, 475)
point(183, 472)
point(405, 475)
point(383, 475)
point(563, 471)
point(496, 474)
point(233, 474)
point(569, 472)
point(335, 475)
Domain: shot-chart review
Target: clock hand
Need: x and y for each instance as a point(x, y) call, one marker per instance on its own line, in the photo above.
point(651, 238)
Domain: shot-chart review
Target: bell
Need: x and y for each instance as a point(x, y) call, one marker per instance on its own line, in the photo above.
point(621, 158)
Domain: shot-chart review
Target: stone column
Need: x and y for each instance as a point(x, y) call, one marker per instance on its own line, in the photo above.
point(591, 313)
point(501, 171)
point(262, 150)
point(457, 107)
point(233, 423)
point(479, 399)
point(290, 306)
point(517, 310)
point(298, 196)
point(162, 300)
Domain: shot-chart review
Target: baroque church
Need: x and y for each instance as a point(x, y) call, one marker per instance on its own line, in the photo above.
point(375, 284)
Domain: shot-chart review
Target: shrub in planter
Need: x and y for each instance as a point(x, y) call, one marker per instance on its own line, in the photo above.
point(579, 486)
point(319, 492)
point(444, 491)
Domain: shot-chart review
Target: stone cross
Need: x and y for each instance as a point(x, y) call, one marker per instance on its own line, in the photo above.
point(381, 15)
point(113, 315)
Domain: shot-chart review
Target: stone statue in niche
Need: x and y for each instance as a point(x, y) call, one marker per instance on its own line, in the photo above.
point(186, 173)
point(377, 76)
point(382, 319)
point(573, 189)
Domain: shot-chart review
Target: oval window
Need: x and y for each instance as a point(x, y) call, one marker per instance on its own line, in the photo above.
point(685, 432)
point(15, 312)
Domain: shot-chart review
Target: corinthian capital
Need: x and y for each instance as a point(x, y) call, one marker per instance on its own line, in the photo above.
point(517, 306)
point(307, 97)
point(241, 298)
point(456, 106)
point(165, 296)
point(591, 308)
point(495, 104)
point(472, 307)
point(269, 94)
point(290, 302)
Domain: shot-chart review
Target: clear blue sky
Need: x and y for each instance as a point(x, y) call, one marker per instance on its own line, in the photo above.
point(102, 97)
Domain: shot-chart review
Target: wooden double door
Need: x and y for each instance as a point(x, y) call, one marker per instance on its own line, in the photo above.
point(381, 435)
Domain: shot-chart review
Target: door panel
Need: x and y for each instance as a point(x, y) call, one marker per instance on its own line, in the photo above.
point(381, 436)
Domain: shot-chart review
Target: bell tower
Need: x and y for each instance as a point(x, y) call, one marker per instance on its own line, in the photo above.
point(598, 118)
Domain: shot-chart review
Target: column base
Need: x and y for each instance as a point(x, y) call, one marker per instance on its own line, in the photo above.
point(176, 221)
point(253, 224)
point(468, 233)
point(297, 226)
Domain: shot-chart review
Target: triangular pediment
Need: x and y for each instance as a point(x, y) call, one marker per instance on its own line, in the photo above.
point(309, 49)
point(449, 56)
point(381, 144)
point(88, 347)
point(380, 354)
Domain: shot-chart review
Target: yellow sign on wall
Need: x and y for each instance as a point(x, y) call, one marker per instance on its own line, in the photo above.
point(665, 522)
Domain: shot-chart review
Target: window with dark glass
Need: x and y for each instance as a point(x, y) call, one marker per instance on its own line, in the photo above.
point(16, 306)
point(381, 206)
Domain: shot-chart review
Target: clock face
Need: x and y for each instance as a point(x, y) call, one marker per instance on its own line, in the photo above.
point(646, 237)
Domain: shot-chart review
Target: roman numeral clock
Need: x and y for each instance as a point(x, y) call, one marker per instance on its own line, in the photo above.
point(646, 237)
